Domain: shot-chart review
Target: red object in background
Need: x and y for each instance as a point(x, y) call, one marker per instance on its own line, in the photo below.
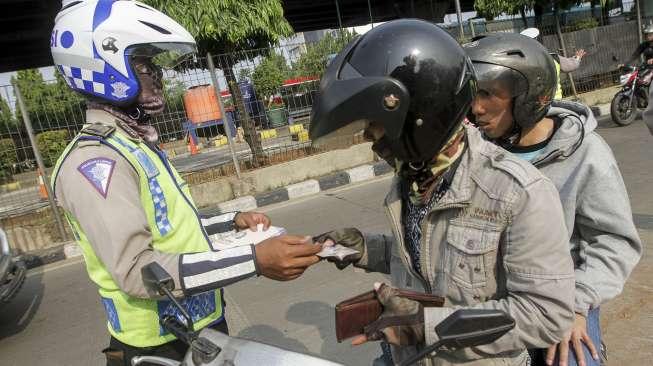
point(299, 80)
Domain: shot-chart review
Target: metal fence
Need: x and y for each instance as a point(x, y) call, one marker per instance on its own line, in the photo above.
point(265, 96)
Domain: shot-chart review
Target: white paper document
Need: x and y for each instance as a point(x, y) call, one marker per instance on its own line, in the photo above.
point(232, 239)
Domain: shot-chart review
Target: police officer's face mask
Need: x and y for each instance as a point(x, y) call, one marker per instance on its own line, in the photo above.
point(150, 79)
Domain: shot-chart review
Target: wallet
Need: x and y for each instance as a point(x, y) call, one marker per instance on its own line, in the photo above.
point(353, 315)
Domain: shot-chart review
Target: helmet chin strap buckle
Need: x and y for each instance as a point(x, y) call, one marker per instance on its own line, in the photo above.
point(137, 113)
point(413, 166)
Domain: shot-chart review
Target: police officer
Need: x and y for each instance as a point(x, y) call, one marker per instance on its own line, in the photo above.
point(126, 204)
point(513, 110)
point(562, 63)
point(470, 222)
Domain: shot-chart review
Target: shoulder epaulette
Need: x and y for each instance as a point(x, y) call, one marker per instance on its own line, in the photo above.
point(98, 129)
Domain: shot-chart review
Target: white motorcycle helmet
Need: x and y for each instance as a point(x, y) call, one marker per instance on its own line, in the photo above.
point(94, 41)
point(648, 29)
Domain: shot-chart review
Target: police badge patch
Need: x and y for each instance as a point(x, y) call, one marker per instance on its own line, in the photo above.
point(98, 172)
point(119, 89)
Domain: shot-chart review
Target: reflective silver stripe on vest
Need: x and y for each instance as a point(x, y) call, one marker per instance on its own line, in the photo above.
point(160, 206)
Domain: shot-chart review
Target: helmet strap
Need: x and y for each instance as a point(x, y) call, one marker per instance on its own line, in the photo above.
point(137, 113)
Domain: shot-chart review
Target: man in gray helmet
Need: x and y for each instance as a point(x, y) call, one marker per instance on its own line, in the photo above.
point(514, 109)
point(466, 217)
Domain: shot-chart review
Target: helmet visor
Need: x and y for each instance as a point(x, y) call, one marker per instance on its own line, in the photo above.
point(166, 56)
point(499, 80)
point(343, 137)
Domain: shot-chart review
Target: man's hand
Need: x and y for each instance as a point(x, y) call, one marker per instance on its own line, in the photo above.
point(286, 257)
point(244, 220)
point(401, 323)
point(350, 238)
point(649, 61)
point(576, 336)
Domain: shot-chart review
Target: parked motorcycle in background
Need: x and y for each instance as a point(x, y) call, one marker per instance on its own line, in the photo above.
point(633, 95)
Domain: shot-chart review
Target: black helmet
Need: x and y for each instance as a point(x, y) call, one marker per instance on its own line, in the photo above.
point(408, 75)
point(520, 64)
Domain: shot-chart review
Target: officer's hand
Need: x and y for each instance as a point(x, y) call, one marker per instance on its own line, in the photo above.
point(244, 220)
point(401, 323)
point(285, 257)
point(350, 238)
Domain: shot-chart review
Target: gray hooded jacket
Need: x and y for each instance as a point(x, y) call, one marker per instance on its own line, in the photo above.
point(647, 116)
point(604, 242)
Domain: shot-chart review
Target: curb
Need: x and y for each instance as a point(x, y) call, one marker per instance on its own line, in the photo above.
point(245, 203)
point(308, 187)
point(601, 109)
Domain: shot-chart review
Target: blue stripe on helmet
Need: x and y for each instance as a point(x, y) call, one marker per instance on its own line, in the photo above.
point(102, 12)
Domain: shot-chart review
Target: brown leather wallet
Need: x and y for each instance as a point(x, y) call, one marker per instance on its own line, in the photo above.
point(352, 315)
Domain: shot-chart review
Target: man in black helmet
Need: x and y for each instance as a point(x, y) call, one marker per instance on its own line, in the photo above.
point(513, 108)
point(467, 217)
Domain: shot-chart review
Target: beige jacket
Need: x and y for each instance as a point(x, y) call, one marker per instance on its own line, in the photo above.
point(495, 240)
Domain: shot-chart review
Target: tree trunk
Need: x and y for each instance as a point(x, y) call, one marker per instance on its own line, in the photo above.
point(522, 12)
point(556, 14)
point(594, 3)
point(252, 136)
point(605, 13)
point(538, 11)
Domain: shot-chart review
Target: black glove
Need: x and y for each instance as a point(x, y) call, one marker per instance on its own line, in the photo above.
point(348, 237)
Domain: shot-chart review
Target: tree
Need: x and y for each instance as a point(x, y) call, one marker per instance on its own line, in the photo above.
point(269, 75)
point(491, 9)
point(223, 27)
point(7, 120)
point(51, 106)
point(313, 62)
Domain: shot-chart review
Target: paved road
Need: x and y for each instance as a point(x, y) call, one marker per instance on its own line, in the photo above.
point(57, 318)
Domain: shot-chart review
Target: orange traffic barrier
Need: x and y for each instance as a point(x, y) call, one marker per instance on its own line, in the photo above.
point(191, 145)
point(43, 192)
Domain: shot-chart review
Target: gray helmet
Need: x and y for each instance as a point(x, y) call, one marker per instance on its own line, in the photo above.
point(520, 65)
point(648, 29)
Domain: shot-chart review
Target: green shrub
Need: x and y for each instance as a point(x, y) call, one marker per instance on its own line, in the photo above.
point(268, 76)
point(585, 23)
point(7, 159)
point(51, 144)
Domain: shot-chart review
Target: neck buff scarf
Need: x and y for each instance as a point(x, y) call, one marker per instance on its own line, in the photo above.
point(422, 182)
point(145, 131)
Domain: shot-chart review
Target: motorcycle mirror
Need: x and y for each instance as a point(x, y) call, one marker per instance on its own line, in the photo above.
point(473, 327)
point(156, 278)
point(467, 328)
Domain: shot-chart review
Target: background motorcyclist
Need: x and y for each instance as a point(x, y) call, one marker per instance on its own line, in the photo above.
point(645, 48)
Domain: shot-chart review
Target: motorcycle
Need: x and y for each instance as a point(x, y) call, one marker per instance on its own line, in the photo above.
point(633, 95)
point(463, 328)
